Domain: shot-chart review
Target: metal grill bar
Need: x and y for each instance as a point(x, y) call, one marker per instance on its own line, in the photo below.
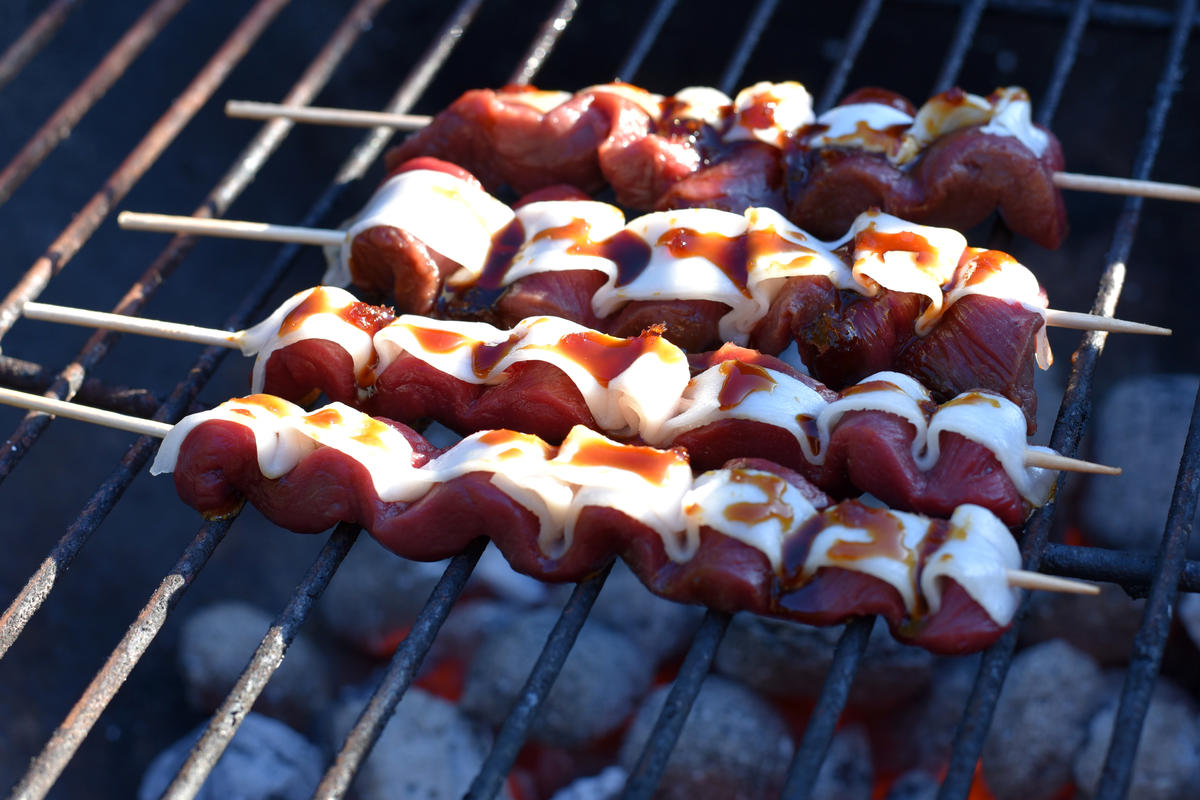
point(112, 67)
point(266, 659)
point(1134, 572)
point(400, 673)
point(964, 35)
point(547, 37)
point(645, 40)
point(1151, 637)
point(34, 38)
point(35, 591)
point(135, 165)
point(53, 759)
point(863, 21)
point(1124, 15)
point(1068, 428)
point(745, 46)
point(27, 376)
point(1063, 62)
point(651, 764)
point(821, 725)
point(517, 724)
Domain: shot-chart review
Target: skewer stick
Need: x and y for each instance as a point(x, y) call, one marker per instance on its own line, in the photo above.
point(126, 324)
point(1107, 185)
point(97, 416)
point(149, 427)
point(1081, 321)
point(346, 118)
point(1049, 583)
point(212, 336)
point(236, 229)
point(230, 229)
point(245, 109)
point(1038, 458)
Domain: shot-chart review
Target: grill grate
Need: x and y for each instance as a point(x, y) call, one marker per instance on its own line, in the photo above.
point(1159, 578)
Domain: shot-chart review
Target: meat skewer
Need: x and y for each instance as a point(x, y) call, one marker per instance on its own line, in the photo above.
point(751, 536)
point(889, 295)
point(869, 121)
point(546, 376)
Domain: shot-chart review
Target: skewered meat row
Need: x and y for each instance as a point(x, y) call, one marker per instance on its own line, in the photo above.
point(888, 295)
point(952, 162)
point(883, 436)
point(753, 536)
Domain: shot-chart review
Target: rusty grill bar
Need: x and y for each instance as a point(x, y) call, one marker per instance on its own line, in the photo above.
point(1160, 578)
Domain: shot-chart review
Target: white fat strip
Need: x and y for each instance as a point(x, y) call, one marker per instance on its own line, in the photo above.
point(715, 493)
point(264, 339)
point(648, 101)
point(1012, 115)
point(900, 573)
point(1006, 113)
point(1013, 282)
point(901, 270)
point(977, 556)
point(899, 395)
point(452, 216)
point(996, 423)
point(639, 400)
point(791, 110)
point(520, 467)
point(843, 124)
point(780, 406)
point(658, 506)
point(806, 255)
point(692, 278)
point(542, 100)
point(702, 103)
point(284, 434)
point(401, 336)
point(542, 253)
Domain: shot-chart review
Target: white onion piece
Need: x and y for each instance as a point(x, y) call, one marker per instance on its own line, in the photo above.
point(977, 555)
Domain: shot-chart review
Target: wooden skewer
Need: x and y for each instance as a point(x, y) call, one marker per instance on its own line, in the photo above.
point(245, 109)
point(97, 416)
point(149, 427)
point(229, 228)
point(1082, 321)
point(1106, 185)
point(263, 231)
point(1039, 458)
point(212, 336)
point(1049, 583)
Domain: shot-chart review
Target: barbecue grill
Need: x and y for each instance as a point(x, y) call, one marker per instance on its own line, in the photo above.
point(168, 147)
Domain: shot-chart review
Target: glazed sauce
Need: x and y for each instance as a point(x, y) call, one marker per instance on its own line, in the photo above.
point(728, 253)
point(505, 244)
point(328, 418)
point(438, 341)
point(808, 424)
point(268, 402)
point(500, 438)
point(606, 357)
point(773, 508)
point(884, 529)
point(879, 243)
point(485, 357)
point(870, 386)
point(363, 316)
point(741, 381)
point(760, 114)
point(972, 399)
point(766, 242)
point(646, 462)
point(978, 265)
point(372, 434)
